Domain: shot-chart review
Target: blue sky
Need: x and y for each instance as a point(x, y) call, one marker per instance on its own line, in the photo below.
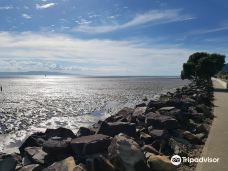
point(109, 37)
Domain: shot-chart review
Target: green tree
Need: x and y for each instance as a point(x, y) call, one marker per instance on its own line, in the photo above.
point(202, 66)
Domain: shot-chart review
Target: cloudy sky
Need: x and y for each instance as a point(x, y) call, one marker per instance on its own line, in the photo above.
point(109, 37)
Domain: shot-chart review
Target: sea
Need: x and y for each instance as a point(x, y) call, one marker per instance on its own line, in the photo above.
point(34, 103)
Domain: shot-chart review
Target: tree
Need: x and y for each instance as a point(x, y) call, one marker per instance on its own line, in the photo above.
point(202, 66)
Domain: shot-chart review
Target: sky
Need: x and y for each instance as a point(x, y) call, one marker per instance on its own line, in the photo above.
point(109, 37)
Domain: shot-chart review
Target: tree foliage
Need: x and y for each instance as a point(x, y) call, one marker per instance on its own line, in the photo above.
point(202, 66)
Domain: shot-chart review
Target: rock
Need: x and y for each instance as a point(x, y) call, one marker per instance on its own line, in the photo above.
point(63, 133)
point(145, 137)
point(7, 163)
point(202, 128)
point(166, 109)
point(160, 163)
point(202, 108)
point(191, 137)
point(36, 155)
point(140, 105)
point(83, 131)
point(171, 111)
point(57, 149)
point(34, 140)
point(125, 113)
point(198, 117)
point(164, 97)
point(191, 125)
point(80, 167)
point(201, 136)
point(145, 99)
point(99, 163)
point(161, 121)
point(125, 154)
point(91, 144)
point(114, 128)
point(156, 104)
point(139, 113)
point(158, 134)
point(67, 164)
point(31, 167)
point(177, 148)
point(150, 149)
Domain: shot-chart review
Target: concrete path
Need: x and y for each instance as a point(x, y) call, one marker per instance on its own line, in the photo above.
point(217, 142)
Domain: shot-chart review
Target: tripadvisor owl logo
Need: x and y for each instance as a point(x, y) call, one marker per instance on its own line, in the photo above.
point(176, 160)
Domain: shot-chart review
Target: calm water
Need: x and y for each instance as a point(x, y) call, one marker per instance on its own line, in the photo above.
point(35, 103)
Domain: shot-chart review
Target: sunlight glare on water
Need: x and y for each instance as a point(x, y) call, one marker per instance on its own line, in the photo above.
point(30, 104)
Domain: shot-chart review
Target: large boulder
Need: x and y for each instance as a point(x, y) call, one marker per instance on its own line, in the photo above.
point(91, 144)
point(36, 155)
point(145, 137)
point(34, 140)
point(57, 149)
point(161, 121)
point(31, 167)
point(62, 133)
point(7, 163)
point(126, 155)
point(139, 113)
point(202, 128)
point(156, 104)
point(197, 117)
point(99, 163)
point(123, 114)
point(170, 111)
point(83, 131)
point(159, 163)
point(80, 167)
point(67, 164)
point(193, 138)
point(177, 147)
point(158, 134)
point(150, 149)
point(114, 128)
point(202, 108)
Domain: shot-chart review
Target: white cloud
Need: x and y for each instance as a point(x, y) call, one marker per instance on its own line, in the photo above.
point(26, 16)
point(151, 17)
point(6, 8)
point(95, 56)
point(44, 6)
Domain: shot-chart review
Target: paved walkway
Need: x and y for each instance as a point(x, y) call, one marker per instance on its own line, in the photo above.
point(217, 142)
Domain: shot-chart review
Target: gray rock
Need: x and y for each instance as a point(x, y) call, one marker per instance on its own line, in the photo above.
point(67, 164)
point(145, 137)
point(7, 163)
point(63, 133)
point(192, 137)
point(159, 163)
point(161, 121)
point(99, 163)
point(139, 112)
point(150, 149)
point(158, 134)
point(91, 144)
point(83, 131)
point(126, 155)
point(114, 128)
point(36, 155)
point(31, 167)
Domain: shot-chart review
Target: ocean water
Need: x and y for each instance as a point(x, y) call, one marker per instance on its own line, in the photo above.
point(34, 103)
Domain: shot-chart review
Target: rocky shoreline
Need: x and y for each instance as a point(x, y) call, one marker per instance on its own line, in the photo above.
point(143, 138)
